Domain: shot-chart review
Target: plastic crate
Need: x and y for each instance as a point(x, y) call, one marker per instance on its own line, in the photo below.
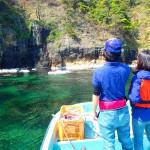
point(71, 123)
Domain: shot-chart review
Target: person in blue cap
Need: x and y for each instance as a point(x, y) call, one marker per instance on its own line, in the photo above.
point(109, 93)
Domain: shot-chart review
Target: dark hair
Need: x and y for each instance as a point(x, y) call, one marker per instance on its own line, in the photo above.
point(143, 60)
point(112, 57)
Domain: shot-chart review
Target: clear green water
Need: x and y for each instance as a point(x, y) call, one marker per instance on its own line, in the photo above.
point(27, 102)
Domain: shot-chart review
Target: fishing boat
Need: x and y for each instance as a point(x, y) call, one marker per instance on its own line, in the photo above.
point(92, 138)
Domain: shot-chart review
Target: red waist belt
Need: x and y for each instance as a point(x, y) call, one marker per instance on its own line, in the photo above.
point(112, 105)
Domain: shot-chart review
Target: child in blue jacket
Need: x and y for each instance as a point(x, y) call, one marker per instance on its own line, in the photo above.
point(139, 96)
point(109, 93)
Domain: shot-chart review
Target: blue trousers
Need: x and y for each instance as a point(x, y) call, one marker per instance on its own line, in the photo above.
point(138, 131)
point(115, 120)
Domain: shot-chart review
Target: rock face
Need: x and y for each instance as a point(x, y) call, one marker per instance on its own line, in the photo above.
point(38, 46)
point(24, 48)
point(21, 52)
point(76, 53)
point(34, 52)
point(24, 52)
point(13, 51)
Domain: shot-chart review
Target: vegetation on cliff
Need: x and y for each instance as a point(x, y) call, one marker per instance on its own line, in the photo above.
point(126, 19)
point(12, 19)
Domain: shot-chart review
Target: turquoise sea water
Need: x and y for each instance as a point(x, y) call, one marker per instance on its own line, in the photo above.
point(27, 102)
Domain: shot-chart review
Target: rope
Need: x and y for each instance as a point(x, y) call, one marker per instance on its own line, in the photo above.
point(92, 128)
point(73, 147)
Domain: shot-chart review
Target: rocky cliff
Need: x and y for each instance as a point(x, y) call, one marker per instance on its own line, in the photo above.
point(42, 33)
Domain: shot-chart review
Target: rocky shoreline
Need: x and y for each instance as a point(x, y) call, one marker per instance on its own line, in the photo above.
point(69, 67)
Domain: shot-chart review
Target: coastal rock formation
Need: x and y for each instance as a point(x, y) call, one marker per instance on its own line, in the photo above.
point(50, 33)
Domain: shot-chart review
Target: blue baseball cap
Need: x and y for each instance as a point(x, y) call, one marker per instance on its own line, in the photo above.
point(113, 45)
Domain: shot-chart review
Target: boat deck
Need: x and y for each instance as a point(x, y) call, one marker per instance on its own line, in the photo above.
point(92, 138)
point(90, 144)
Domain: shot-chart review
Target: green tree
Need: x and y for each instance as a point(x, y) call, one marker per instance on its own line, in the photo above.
point(113, 13)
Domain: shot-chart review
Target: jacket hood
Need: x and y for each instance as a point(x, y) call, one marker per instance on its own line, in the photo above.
point(143, 74)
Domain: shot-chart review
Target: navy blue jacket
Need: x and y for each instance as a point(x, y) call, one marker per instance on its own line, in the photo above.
point(134, 96)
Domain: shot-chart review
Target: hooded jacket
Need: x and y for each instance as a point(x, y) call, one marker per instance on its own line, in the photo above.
point(140, 106)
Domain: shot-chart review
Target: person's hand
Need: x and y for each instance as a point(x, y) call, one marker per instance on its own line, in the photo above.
point(95, 115)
